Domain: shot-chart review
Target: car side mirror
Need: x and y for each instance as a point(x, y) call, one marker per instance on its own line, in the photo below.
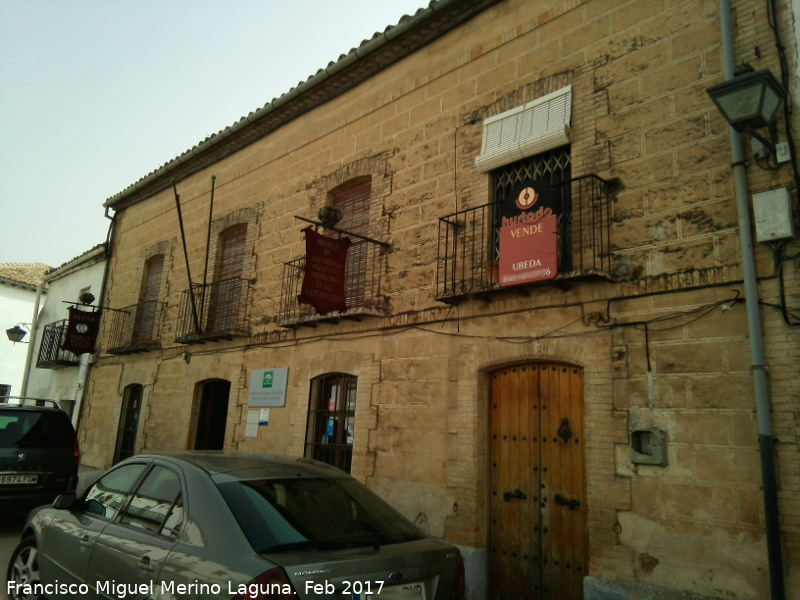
point(95, 507)
point(65, 501)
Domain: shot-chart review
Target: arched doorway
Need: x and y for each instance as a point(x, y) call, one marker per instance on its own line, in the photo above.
point(537, 541)
point(128, 422)
point(212, 414)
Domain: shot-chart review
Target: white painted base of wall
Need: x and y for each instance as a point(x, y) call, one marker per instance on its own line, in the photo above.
point(475, 571)
point(595, 588)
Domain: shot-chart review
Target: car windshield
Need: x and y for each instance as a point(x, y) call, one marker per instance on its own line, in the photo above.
point(314, 514)
point(23, 429)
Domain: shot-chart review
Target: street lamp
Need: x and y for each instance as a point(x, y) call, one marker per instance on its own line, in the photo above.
point(749, 101)
point(16, 333)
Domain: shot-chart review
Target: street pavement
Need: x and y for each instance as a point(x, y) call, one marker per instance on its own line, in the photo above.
point(10, 529)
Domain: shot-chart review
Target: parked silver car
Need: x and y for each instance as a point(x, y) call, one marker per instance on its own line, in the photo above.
point(214, 525)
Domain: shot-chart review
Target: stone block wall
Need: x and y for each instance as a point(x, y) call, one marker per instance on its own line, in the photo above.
point(662, 341)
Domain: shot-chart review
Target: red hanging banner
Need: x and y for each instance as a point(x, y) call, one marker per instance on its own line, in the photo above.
point(82, 329)
point(324, 278)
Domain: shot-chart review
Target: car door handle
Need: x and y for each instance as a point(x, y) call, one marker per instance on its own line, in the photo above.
point(146, 565)
point(85, 542)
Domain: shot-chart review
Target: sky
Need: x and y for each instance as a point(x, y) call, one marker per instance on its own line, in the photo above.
point(96, 94)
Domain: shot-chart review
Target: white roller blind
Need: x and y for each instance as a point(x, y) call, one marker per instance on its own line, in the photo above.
point(535, 127)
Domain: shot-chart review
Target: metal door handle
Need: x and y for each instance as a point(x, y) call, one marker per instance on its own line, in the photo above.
point(570, 504)
point(519, 495)
point(85, 542)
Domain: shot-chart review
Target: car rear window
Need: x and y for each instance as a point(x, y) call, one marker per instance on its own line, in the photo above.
point(314, 514)
point(24, 429)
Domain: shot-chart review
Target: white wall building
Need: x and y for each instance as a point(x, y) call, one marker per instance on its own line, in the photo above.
point(55, 373)
point(18, 293)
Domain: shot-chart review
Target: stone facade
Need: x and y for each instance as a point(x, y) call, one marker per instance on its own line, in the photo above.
point(661, 337)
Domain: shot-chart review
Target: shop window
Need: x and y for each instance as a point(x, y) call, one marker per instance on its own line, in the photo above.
point(331, 420)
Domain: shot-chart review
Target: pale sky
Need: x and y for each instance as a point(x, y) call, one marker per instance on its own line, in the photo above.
point(96, 94)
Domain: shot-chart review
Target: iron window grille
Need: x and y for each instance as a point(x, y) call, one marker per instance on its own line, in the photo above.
point(366, 261)
point(214, 311)
point(331, 420)
point(468, 241)
point(135, 328)
point(362, 288)
point(218, 310)
point(51, 356)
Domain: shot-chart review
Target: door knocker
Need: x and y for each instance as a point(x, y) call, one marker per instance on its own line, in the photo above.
point(564, 432)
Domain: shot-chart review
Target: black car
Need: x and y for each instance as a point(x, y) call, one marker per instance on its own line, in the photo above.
point(39, 453)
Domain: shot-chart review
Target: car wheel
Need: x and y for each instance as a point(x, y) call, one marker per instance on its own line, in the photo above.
point(23, 569)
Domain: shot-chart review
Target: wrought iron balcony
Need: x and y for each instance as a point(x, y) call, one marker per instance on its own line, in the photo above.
point(363, 270)
point(51, 356)
point(135, 328)
point(214, 311)
point(468, 254)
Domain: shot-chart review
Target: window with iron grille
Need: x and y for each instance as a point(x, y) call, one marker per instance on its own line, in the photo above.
point(145, 321)
point(554, 169)
point(5, 392)
point(353, 199)
point(51, 355)
point(226, 294)
point(128, 422)
point(331, 420)
point(469, 261)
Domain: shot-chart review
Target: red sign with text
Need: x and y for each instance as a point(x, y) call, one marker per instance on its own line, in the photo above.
point(82, 329)
point(529, 251)
point(324, 278)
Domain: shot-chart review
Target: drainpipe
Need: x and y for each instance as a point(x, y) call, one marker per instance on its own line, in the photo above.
point(83, 379)
point(758, 366)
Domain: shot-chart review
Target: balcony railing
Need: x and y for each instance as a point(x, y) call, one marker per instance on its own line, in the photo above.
point(469, 247)
point(135, 328)
point(363, 271)
point(214, 311)
point(51, 356)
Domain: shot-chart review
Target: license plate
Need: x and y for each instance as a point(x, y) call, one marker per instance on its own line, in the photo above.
point(407, 591)
point(18, 479)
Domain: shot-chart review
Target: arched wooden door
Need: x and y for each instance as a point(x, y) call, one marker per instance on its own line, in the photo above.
point(537, 545)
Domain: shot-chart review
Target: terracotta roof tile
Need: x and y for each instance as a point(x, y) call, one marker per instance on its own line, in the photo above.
point(27, 273)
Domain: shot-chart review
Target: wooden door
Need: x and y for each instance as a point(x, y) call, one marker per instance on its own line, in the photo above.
point(537, 545)
point(212, 417)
